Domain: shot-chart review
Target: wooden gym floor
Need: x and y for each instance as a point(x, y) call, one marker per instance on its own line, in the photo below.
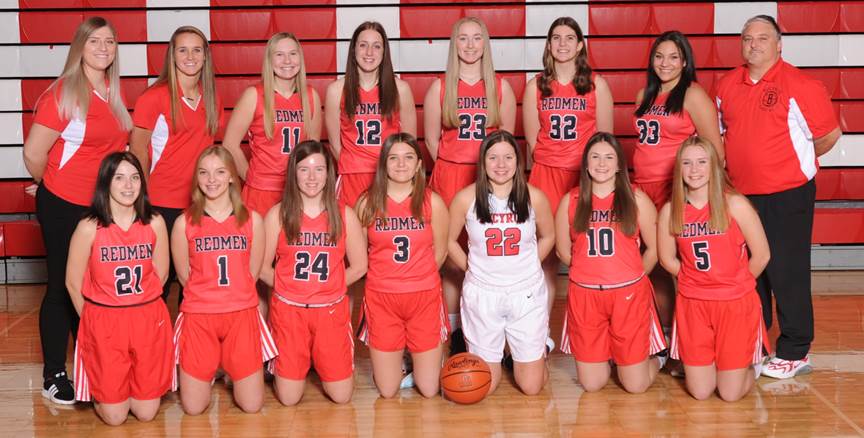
point(828, 402)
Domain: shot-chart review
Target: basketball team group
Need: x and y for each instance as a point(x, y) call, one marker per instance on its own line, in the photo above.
point(265, 241)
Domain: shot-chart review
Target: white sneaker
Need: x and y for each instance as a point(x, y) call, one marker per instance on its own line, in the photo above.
point(784, 369)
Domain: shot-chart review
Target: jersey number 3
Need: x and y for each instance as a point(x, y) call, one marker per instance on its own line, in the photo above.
point(503, 242)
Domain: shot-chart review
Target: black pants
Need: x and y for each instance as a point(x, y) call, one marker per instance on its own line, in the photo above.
point(57, 316)
point(170, 215)
point(788, 221)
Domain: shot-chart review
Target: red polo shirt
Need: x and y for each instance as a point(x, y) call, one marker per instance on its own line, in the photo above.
point(769, 127)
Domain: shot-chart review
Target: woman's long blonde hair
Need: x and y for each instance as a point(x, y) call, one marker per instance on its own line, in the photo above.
point(207, 81)
point(718, 187)
point(268, 80)
point(74, 99)
point(449, 109)
point(196, 208)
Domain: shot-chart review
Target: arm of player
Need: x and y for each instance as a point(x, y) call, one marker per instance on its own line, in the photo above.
point(605, 106)
point(825, 143)
point(647, 229)
point(79, 256)
point(458, 209)
point(666, 247)
point(563, 245)
point(161, 252)
point(256, 253)
point(272, 227)
point(440, 228)
point(332, 114)
point(139, 146)
point(545, 222)
point(180, 249)
point(407, 110)
point(530, 116)
point(508, 107)
point(702, 111)
point(36, 147)
point(317, 120)
point(754, 234)
point(356, 248)
point(432, 118)
point(238, 126)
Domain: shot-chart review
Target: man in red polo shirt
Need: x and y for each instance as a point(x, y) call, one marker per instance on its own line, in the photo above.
point(776, 121)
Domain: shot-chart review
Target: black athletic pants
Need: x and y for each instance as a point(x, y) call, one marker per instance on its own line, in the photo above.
point(787, 217)
point(57, 316)
point(170, 215)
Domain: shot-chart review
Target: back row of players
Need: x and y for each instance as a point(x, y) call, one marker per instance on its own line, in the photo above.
point(219, 246)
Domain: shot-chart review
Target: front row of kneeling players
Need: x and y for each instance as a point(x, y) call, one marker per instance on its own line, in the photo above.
point(604, 230)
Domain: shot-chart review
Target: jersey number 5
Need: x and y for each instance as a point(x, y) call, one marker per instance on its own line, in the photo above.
point(290, 138)
point(368, 132)
point(649, 131)
point(304, 264)
point(127, 280)
point(703, 257)
point(503, 242)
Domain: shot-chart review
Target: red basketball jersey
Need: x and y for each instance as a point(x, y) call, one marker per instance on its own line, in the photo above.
point(714, 265)
point(310, 269)
point(462, 143)
point(363, 135)
point(567, 120)
point(602, 255)
point(173, 152)
point(269, 162)
point(74, 158)
point(120, 270)
point(660, 135)
point(219, 278)
point(401, 250)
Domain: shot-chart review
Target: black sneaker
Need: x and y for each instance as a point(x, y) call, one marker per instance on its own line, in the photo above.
point(457, 342)
point(59, 389)
point(507, 362)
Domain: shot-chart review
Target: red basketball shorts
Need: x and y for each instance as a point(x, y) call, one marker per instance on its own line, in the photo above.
point(448, 178)
point(555, 182)
point(123, 352)
point(238, 341)
point(352, 185)
point(619, 324)
point(730, 334)
point(659, 192)
point(392, 321)
point(260, 200)
point(319, 335)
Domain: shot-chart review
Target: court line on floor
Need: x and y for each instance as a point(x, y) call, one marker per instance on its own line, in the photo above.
point(17, 321)
point(836, 410)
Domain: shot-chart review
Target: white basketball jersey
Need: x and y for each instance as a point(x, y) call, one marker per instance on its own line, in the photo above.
point(504, 252)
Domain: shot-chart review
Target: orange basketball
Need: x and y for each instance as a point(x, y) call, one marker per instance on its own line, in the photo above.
point(465, 378)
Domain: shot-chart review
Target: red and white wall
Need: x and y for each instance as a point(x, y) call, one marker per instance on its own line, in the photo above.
point(826, 38)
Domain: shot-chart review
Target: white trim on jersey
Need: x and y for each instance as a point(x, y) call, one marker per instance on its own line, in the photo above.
point(158, 140)
point(802, 140)
point(72, 137)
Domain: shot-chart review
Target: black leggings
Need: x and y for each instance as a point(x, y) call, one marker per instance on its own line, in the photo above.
point(57, 316)
point(170, 215)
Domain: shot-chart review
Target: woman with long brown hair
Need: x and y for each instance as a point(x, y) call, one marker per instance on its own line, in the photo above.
point(365, 107)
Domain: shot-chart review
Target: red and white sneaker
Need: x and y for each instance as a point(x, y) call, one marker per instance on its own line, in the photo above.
point(784, 369)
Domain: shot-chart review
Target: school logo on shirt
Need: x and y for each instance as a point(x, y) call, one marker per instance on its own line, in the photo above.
point(563, 103)
point(770, 97)
point(122, 253)
point(699, 229)
point(306, 238)
point(398, 224)
point(287, 116)
point(221, 243)
point(471, 103)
